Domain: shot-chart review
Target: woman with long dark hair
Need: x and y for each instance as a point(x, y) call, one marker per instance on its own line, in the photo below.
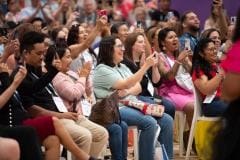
point(111, 75)
point(207, 77)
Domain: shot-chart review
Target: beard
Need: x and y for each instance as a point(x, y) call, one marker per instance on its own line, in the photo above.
point(193, 28)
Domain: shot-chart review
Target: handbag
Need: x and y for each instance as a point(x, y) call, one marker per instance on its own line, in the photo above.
point(106, 111)
point(154, 110)
point(184, 79)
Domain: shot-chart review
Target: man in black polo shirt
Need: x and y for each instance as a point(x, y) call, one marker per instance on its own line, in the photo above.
point(39, 96)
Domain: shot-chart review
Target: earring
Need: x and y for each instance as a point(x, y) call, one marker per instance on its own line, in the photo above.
point(164, 48)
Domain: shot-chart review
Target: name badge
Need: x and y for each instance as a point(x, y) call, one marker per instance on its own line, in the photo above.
point(60, 105)
point(150, 88)
point(209, 98)
point(86, 107)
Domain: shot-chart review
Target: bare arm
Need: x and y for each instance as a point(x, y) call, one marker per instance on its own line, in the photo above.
point(137, 77)
point(221, 20)
point(39, 111)
point(155, 74)
point(7, 94)
point(135, 90)
point(208, 87)
point(170, 74)
point(76, 49)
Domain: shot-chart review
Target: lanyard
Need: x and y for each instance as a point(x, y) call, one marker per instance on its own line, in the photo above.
point(50, 90)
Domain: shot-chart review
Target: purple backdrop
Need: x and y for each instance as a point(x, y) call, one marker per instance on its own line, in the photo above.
point(202, 7)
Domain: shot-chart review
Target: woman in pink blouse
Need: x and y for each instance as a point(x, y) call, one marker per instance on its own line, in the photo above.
point(72, 88)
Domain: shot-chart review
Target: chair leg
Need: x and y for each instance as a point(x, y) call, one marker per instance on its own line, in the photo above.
point(182, 120)
point(135, 143)
point(190, 139)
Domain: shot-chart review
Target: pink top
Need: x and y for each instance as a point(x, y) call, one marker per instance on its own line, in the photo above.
point(232, 62)
point(69, 87)
point(172, 91)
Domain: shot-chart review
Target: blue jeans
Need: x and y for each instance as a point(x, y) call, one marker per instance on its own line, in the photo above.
point(169, 107)
point(148, 127)
point(216, 108)
point(118, 140)
point(166, 125)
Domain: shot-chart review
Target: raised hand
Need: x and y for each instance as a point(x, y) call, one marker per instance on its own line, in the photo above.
point(183, 55)
point(85, 70)
point(12, 47)
point(102, 22)
point(21, 74)
point(151, 60)
point(3, 67)
point(57, 62)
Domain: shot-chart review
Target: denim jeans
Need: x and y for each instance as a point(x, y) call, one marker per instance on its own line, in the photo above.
point(147, 125)
point(169, 107)
point(166, 125)
point(215, 108)
point(118, 140)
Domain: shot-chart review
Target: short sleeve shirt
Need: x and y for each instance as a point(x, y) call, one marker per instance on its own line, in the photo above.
point(105, 77)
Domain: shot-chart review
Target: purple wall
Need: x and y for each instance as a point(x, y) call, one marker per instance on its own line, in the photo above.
point(202, 7)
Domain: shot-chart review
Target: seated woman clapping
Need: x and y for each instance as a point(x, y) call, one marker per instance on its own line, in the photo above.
point(72, 88)
point(207, 77)
point(110, 75)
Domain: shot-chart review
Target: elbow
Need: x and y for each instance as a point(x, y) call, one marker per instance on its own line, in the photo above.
point(206, 91)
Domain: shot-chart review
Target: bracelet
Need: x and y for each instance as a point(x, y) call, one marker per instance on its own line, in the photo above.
point(178, 62)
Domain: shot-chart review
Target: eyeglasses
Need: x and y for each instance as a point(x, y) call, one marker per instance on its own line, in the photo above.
point(211, 49)
point(120, 46)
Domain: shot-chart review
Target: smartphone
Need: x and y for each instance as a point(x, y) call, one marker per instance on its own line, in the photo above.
point(139, 24)
point(169, 15)
point(102, 13)
point(233, 20)
point(74, 105)
point(187, 45)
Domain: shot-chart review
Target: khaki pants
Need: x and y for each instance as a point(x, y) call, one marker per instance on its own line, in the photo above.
point(89, 136)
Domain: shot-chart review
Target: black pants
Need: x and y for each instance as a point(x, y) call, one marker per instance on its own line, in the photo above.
point(30, 148)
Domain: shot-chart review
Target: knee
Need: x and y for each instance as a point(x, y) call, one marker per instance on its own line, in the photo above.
point(10, 149)
point(166, 122)
point(124, 126)
point(149, 122)
point(51, 142)
point(114, 129)
point(85, 137)
point(14, 149)
point(101, 135)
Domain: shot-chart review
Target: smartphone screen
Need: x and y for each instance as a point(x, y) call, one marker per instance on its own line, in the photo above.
point(102, 13)
point(187, 45)
point(233, 20)
point(139, 24)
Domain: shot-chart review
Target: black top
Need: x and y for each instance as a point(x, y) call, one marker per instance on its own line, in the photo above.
point(144, 82)
point(12, 112)
point(34, 90)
